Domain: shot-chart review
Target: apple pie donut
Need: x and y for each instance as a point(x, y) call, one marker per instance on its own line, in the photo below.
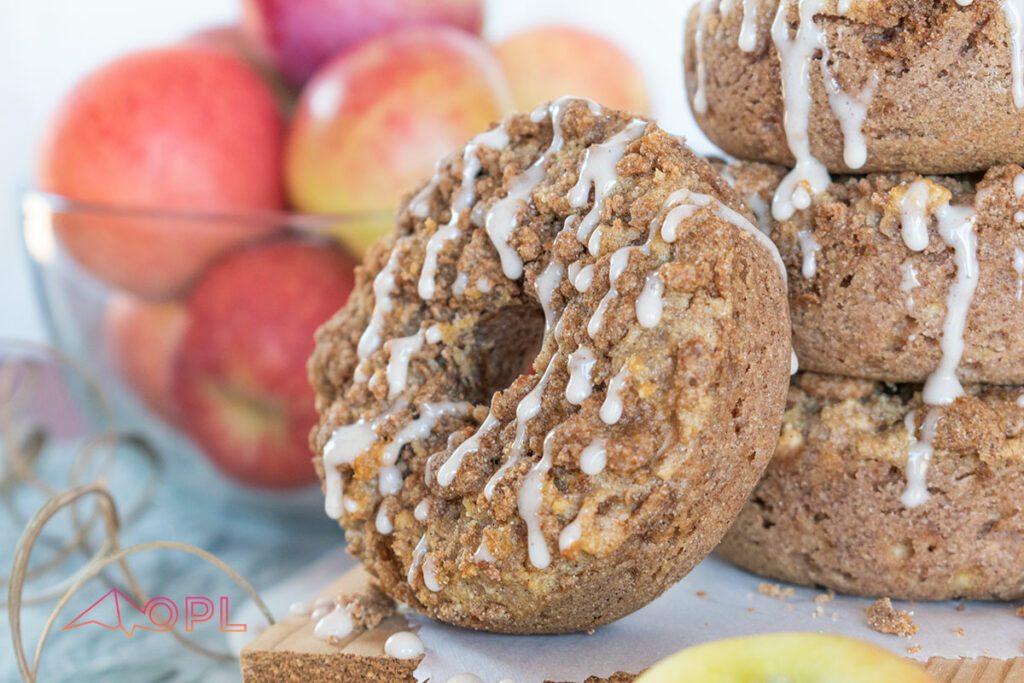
point(558, 380)
point(873, 492)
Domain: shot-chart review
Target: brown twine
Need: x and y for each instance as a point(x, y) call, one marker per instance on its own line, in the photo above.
point(21, 457)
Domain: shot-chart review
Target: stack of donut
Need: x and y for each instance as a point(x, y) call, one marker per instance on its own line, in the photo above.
point(881, 145)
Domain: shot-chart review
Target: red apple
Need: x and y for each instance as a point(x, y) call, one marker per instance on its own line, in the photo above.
point(234, 40)
point(240, 377)
point(144, 338)
point(181, 129)
point(372, 124)
point(301, 35)
point(551, 61)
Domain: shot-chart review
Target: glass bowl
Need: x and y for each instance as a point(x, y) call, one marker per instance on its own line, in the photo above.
point(78, 287)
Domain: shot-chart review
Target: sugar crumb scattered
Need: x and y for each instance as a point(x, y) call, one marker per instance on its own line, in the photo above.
point(751, 610)
point(774, 590)
point(885, 618)
point(958, 632)
point(702, 594)
point(961, 607)
point(1020, 611)
point(913, 649)
point(824, 598)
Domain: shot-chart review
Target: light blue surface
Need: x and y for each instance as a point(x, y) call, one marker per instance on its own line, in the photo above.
point(265, 541)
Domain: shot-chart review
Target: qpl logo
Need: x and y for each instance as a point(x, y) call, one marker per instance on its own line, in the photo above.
point(116, 611)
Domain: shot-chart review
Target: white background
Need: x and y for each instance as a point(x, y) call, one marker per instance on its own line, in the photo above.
point(45, 45)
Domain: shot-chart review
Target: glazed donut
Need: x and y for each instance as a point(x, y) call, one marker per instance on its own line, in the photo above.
point(859, 85)
point(830, 510)
point(557, 382)
point(898, 277)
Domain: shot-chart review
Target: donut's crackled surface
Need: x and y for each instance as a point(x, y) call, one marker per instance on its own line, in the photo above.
point(540, 409)
point(872, 281)
point(873, 85)
point(828, 510)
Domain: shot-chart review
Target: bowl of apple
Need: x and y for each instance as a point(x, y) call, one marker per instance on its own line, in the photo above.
point(202, 207)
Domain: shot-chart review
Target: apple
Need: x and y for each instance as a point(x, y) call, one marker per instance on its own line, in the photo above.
point(550, 61)
point(372, 124)
point(233, 40)
point(795, 657)
point(144, 338)
point(301, 35)
point(158, 135)
point(240, 376)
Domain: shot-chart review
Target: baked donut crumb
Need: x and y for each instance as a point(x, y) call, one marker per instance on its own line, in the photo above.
point(774, 590)
point(885, 618)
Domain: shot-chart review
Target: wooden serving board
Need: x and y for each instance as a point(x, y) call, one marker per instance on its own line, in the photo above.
point(288, 651)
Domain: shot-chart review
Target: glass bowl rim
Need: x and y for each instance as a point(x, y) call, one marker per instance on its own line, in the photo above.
point(33, 201)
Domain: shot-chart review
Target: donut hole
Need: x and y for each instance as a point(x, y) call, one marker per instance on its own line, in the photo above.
point(507, 341)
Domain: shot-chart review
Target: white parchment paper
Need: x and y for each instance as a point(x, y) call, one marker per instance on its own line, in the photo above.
point(731, 606)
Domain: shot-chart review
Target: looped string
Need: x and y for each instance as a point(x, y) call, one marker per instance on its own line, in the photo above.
point(20, 380)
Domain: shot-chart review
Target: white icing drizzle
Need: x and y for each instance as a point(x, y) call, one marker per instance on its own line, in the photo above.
point(336, 624)
point(430, 574)
point(1018, 185)
point(383, 287)
point(850, 111)
point(531, 494)
point(465, 677)
point(748, 28)
point(794, 363)
point(320, 612)
point(581, 364)
point(383, 522)
point(422, 510)
point(593, 457)
point(914, 214)
point(501, 218)
point(649, 303)
point(446, 474)
point(597, 319)
point(417, 558)
point(599, 170)
point(420, 203)
point(581, 277)
point(483, 285)
point(909, 282)
point(1018, 265)
point(611, 409)
point(684, 203)
point(344, 446)
point(350, 441)
point(483, 553)
point(460, 284)
point(956, 226)
point(570, 535)
point(421, 427)
point(547, 284)
point(400, 352)
point(919, 454)
point(527, 409)
point(496, 138)
point(809, 249)
point(1013, 10)
point(299, 608)
point(389, 480)
point(1020, 401)
point(403, 645)
point(700, 98)
point(809, 176)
